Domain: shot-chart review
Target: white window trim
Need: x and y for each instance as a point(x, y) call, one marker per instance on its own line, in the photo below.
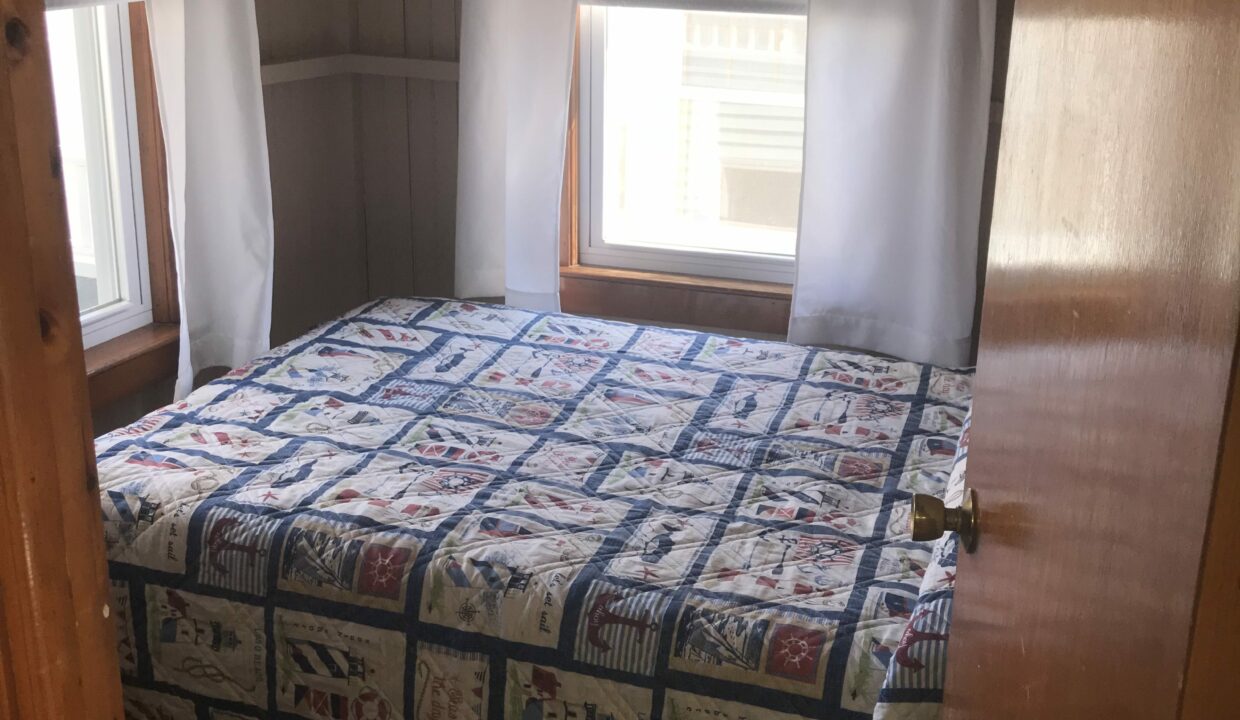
point(593, 248)
point(134, 309)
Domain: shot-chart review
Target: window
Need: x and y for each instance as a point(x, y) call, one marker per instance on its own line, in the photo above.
point(92, 77)
point(691, 134)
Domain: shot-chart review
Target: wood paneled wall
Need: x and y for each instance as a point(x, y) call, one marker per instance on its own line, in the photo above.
point(408, 153)
point(363, 167)
point(320, 258)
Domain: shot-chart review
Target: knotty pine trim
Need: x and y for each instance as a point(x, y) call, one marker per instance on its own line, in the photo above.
point(686, 300)
point(59, 641)
point(161, 257)
point(125, 365)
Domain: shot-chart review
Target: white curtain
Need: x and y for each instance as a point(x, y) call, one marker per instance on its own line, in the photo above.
point(897, 107)
point(516, 63)
point(211, 105)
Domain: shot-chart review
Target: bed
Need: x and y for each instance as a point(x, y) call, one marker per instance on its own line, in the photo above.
point(440, 509)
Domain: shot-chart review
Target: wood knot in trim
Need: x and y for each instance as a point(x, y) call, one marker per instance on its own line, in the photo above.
point(17, 37)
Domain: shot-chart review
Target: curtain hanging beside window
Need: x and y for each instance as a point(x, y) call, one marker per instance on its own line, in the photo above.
point(897, 109)
point(219, 184)
point(516, 62)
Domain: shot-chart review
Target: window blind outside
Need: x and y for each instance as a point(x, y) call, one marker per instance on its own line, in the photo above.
point(778, 7)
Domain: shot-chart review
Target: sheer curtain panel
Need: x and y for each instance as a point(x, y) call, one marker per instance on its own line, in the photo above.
point(897, 109)
point(516, 63)
point(211, 106)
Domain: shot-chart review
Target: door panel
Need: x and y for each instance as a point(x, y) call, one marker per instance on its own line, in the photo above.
point(1108, 329)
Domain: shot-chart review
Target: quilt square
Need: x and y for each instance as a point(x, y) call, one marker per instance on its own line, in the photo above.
point(842, 464)
point(805, 498)
point(757, 647)
point(452, 685)
point(235, 550)
point(949, 386)
point(326, 666)
point(495, 575)
point(455, 360)
point(413, 395)
point(148, 499)
point(774, 562)
point(942, 419)
point(671, 482)
point(331, 367)
point(229, 444)
point(567, 461)
point(842, 415)
point(327, 418)
point(397, 311)
point(631, 416)
point(144, 426)
point(752, 357)
point(513, 409)
point(902, 562)
point(476, 319)
point(888, 377)
point(579, 332)
point(873, 648)
point(292, 479)
point(560, 505)
point(670, 378)
point(720, 448)
point(246, 404)
point(540, 692)
point(396, 490)
point(210, 646)
point(458, 441)
point(619, 628)
point(750, 406)
point(388, 337)
point(663, 344)
point(334, 561)
point(662, 548)
point(541, 371)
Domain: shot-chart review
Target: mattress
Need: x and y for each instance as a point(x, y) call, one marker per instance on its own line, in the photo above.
point(441, 509)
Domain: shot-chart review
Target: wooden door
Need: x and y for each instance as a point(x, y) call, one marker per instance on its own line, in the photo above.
point(1108, 333)
point(57, 646)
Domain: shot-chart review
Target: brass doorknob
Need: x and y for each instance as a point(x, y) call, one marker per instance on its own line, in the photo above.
point(931, 519)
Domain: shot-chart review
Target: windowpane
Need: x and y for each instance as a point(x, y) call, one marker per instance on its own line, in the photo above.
point(84, 102)
point(703, 118)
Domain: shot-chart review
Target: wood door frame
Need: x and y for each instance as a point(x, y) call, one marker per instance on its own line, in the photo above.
point(57, 642)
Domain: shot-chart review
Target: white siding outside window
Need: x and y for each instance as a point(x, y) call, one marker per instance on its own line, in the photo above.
point(691, 130)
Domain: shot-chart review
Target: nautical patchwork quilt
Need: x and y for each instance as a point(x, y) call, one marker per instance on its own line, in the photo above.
point(917, 675)
point(441, 509)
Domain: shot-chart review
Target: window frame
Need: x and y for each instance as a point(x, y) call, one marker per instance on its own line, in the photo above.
point(134, 310)
point(592, 247)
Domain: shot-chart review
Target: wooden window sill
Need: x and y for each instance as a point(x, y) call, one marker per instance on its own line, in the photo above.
point(686, 300)
point(779, 291)
point(126, 364)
